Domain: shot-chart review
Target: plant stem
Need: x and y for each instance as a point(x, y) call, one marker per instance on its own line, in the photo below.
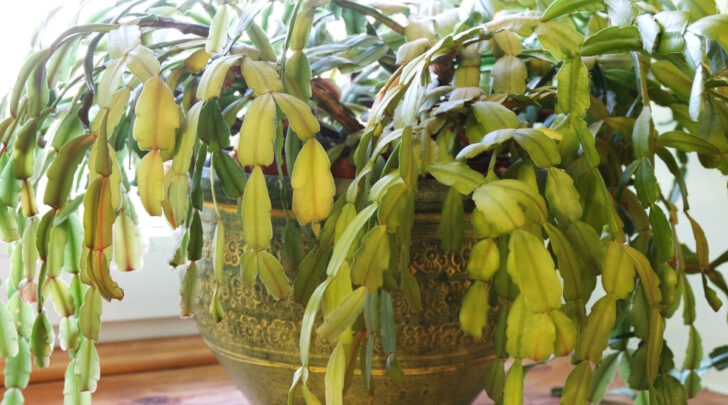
point(372, 12)
point(339, 112)
point(185, 28)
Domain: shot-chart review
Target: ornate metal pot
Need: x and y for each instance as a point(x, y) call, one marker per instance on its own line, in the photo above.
point(257, 342)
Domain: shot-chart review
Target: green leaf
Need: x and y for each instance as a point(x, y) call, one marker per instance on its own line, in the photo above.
point(90, 314)
point(618, 271)
point(371, 259)
point(712, 27)
point(217, 37)
point(532, 269)
point(612, 40)
point(561, 195)
point(602, 377)
point(509, 75)
point(595, 335)
point(255, 145)
point(686, 143)
point(335, 375)
point(495, 379)
point(578, 280)
point(8, 334)
point(494, 116)
point(646, 183)
point(578, 383)
point(560, 39)
point(218, 251)
point(345, 242)
point(13, 396)
point(452, 230)
point(507, 204)
point(42, 340)
point(694, 351)
point(513, 387)
point(484, 260)
point(60, 178)
point(458, 175)
point(542, 150)
point(672, 77)
point(388, 328)
point(662, 233)
point(87, 366)
point(474, 310)
point(648, 277)
point(573, 88)
point(17, 368)
point(271, 274)
point(231, 175)
point(559, 8)
point(212, 128)
point(343, 316)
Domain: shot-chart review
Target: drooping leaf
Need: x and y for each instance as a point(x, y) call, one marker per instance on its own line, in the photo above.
point(452, 231)
point(217, 37)
point(371, 259)
point(299, 115)
point(509, 75)
point(494, 116)
point(612, 40)
point(313, 184)
point(484, 260)
point(87, 366)
point(150, 182)
point(255, 145)
point(595, 335)
point(214, 76)
point(564, 7)
point(157, 116)
point(561, 195)
point(457, 175)
point(261, 77)
point(474, 310)
point(343, 316)
point(532, 269)
point(271, 274)
point(508, 204)
point(573, 88)
point(576, 389)
point(562, 40)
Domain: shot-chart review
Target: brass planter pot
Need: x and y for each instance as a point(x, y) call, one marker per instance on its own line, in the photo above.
point(257, 341)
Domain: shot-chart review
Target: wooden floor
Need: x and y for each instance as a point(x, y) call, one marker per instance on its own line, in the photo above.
point(183, 371)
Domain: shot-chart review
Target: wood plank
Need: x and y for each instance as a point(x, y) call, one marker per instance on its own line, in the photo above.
point(134, 356)
point(182, 386)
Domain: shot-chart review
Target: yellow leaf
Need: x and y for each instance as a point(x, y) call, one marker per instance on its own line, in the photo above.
point(150, 181)
point(255, 144)
point(119, 102)
point(197, 61)
point(313, 184)
point(256, 211)
point(214, 76)
point(157, 117)
point(299, 115)
point(260, 76)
